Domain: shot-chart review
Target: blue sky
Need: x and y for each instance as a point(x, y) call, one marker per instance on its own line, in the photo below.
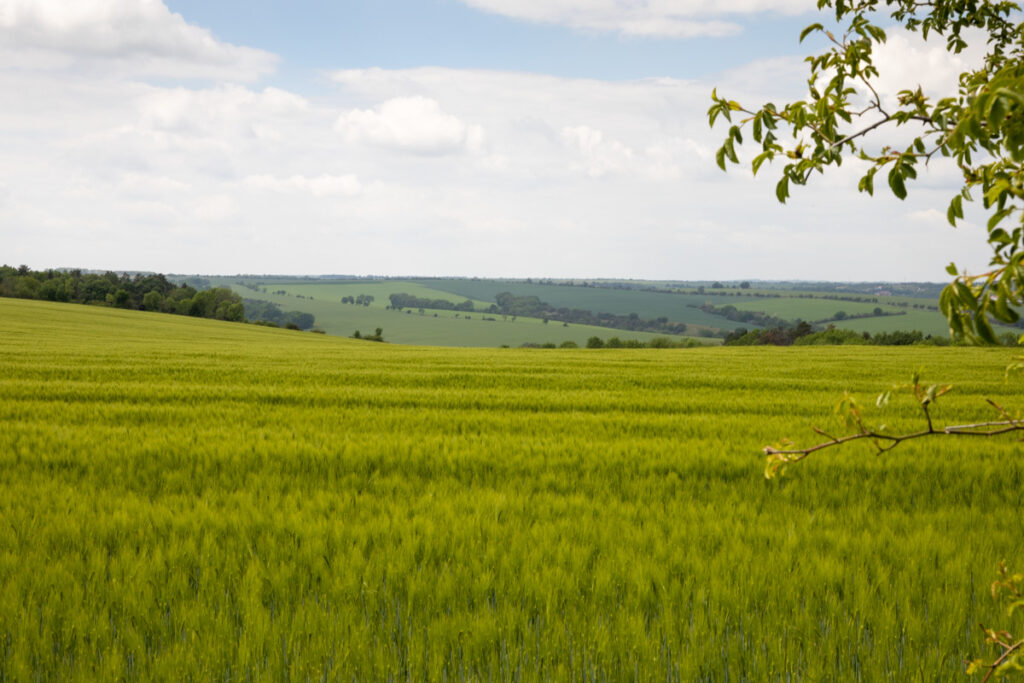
point(398, 34)
point(510, 138)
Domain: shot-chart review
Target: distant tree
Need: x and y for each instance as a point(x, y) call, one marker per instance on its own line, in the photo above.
point(595, 342)
point(839, 315)
point(717, 285)
point(152, 300)
point(878, 310)
point(568, 344)
point(744, 285)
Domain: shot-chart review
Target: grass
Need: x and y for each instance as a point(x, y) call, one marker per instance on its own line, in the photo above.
point(188, 499)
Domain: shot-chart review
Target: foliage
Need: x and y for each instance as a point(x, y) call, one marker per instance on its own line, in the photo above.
point(359, 299)
point(850, 415)
point(377, 336)
point(267, 312)
point(1007, 589)
point(401, 300)
point(980, 128)
point(148, 292)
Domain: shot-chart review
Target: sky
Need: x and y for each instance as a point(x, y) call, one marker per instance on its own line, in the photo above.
point(490, 138)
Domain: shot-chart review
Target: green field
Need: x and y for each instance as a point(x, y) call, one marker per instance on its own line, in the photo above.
point(185, 499)
point(322, 298)
point(793, 308)
point(928, 322)
point(434, 328)
point(379, 289)
point(648, 305)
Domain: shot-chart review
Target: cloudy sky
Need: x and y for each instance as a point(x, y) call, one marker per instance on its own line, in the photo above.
point(512, 138)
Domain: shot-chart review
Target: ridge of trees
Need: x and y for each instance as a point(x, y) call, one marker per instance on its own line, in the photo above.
point(144, 292)
point(508, 304)
point(153, 292)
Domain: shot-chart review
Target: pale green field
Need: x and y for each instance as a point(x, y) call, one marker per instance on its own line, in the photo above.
point(814, 309)
point(379, 289)
point(928, 322)
point(187, 499)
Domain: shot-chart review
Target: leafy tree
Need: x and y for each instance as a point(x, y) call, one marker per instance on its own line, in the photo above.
point(152, 300)
point(980, 128)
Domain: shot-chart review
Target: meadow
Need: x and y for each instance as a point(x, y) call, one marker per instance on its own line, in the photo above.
point(185, 499)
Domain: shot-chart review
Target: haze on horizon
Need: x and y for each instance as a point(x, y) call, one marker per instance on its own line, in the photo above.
point(492, 138)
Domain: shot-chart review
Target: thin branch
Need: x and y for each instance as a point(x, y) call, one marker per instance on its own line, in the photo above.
point(1006, 426)
point(1002, 658)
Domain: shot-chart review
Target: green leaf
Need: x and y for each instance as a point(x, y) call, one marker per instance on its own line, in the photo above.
point(730, 151)
point(951, 269)
point(983, 327)
point(867, 183)
point(965, 295)
point(956, 210)
point(782, 189)
point(809, 30)
point(758, 160)
point(896, 183)
point(1003, 312)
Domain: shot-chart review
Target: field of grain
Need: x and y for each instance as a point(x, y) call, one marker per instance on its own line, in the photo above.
point(190, 499)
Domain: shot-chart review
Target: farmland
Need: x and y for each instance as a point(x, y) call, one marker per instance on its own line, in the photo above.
point(441, 328)
point(194, 499)
point(322, 297)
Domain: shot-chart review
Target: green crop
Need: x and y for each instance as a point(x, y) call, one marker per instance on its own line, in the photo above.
point(188, 499)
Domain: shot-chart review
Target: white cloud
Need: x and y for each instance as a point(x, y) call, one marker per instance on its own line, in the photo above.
point(576, 177)
point(410, 124)
point(318, 186)
point(906, 61)
point(129, 36)
point(661, 18)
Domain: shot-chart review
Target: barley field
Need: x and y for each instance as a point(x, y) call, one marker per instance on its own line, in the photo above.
point(188, 499)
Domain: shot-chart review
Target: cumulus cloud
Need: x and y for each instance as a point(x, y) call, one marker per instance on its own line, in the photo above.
point(906, 61)
point(410, 124)
point(131, 36)
point(660, 18)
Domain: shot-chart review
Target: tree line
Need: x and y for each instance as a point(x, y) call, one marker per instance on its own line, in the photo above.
point(143, 292)
point(270, 314)
point(508, 304)
point(802, 334)
point(403, 300)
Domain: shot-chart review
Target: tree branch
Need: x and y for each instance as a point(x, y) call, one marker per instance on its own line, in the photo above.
point(978, 429)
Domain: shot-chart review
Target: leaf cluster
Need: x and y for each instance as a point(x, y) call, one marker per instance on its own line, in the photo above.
point(980, 127)
point(1009, 590)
